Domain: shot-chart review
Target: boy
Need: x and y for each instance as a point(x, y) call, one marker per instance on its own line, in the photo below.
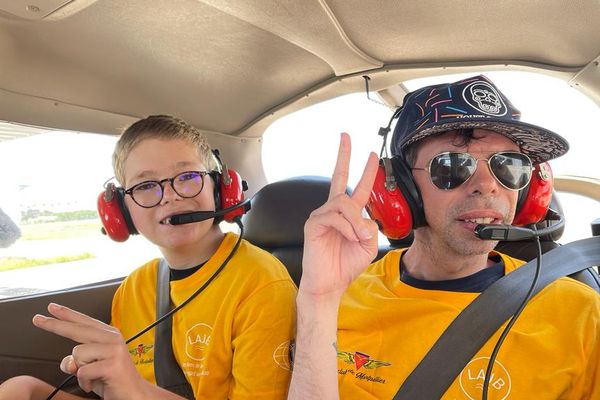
point(225, 339)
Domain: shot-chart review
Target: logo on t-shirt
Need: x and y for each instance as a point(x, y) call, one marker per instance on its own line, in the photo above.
point(357, 361)
point(473, 375)
point(284, 355)
point(197, 347)
point(139, 354)
point(361, 360)
point(197, 341)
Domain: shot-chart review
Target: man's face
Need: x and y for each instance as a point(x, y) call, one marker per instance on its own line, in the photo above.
point(157, 159)
point(452, 215)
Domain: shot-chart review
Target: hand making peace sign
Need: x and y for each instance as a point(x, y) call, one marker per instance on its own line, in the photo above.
point(339, 242)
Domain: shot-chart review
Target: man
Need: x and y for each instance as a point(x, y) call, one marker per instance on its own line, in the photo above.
point(455, 139)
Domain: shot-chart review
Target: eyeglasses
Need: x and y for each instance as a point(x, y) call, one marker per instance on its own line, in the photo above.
point(149, 194)
point(450, 170)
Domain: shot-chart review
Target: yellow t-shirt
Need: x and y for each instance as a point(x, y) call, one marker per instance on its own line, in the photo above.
point(231, 341)
point(386, 327)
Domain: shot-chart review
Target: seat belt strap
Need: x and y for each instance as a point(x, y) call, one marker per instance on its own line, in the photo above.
point(167, 372)
point(473, 327)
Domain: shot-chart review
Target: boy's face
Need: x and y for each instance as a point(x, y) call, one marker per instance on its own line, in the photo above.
point(158, 159)
point(451, 214)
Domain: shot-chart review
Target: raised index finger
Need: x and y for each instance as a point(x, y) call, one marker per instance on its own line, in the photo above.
point(339, 180)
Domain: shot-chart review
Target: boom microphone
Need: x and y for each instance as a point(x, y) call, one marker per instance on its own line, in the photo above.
point(198, 216)
point(9, 231)
point(514, 233)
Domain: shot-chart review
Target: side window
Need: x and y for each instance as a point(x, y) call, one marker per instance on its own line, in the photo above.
point(305, 142)
point(51, 180)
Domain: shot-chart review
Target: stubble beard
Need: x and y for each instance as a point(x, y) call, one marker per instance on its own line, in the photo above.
point(464, 246)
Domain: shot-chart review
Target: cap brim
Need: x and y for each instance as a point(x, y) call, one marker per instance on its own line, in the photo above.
point(538, 143)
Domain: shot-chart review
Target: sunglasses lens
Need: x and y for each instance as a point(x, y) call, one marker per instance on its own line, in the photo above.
point(513, 170)
point(450, 170)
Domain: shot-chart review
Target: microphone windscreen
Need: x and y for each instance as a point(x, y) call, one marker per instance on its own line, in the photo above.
point(9, 231)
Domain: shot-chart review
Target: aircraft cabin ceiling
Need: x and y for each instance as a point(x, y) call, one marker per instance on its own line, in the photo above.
point(227, 66)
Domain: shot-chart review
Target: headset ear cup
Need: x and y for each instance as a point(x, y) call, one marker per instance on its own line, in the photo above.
point(229, 191)
point(121, 198)
point(409, 189)
point(231, 188)
point(388, 207)
point(115, 218)
point(535, 199)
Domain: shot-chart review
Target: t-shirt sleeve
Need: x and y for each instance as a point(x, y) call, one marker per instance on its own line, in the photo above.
point(590, 381)
point(117, 301)
point(263, 332)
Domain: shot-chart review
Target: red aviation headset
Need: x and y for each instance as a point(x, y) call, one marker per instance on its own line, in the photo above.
point(229, 201)
point(396, 206)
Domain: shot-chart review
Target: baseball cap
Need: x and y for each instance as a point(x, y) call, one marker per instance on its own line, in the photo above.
point(471, 103)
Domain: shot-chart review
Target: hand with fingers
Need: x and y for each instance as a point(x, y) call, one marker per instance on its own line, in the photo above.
point(339, 242)
point(101, 362)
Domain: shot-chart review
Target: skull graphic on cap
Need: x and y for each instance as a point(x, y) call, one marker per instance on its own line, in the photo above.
point(481, 95)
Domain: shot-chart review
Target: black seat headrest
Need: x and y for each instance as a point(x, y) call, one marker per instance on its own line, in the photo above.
point(280, 209)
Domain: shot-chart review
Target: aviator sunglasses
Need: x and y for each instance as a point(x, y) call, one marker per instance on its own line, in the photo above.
point(449, 170)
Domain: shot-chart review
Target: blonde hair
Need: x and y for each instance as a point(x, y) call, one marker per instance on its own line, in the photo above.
point(161, 127)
